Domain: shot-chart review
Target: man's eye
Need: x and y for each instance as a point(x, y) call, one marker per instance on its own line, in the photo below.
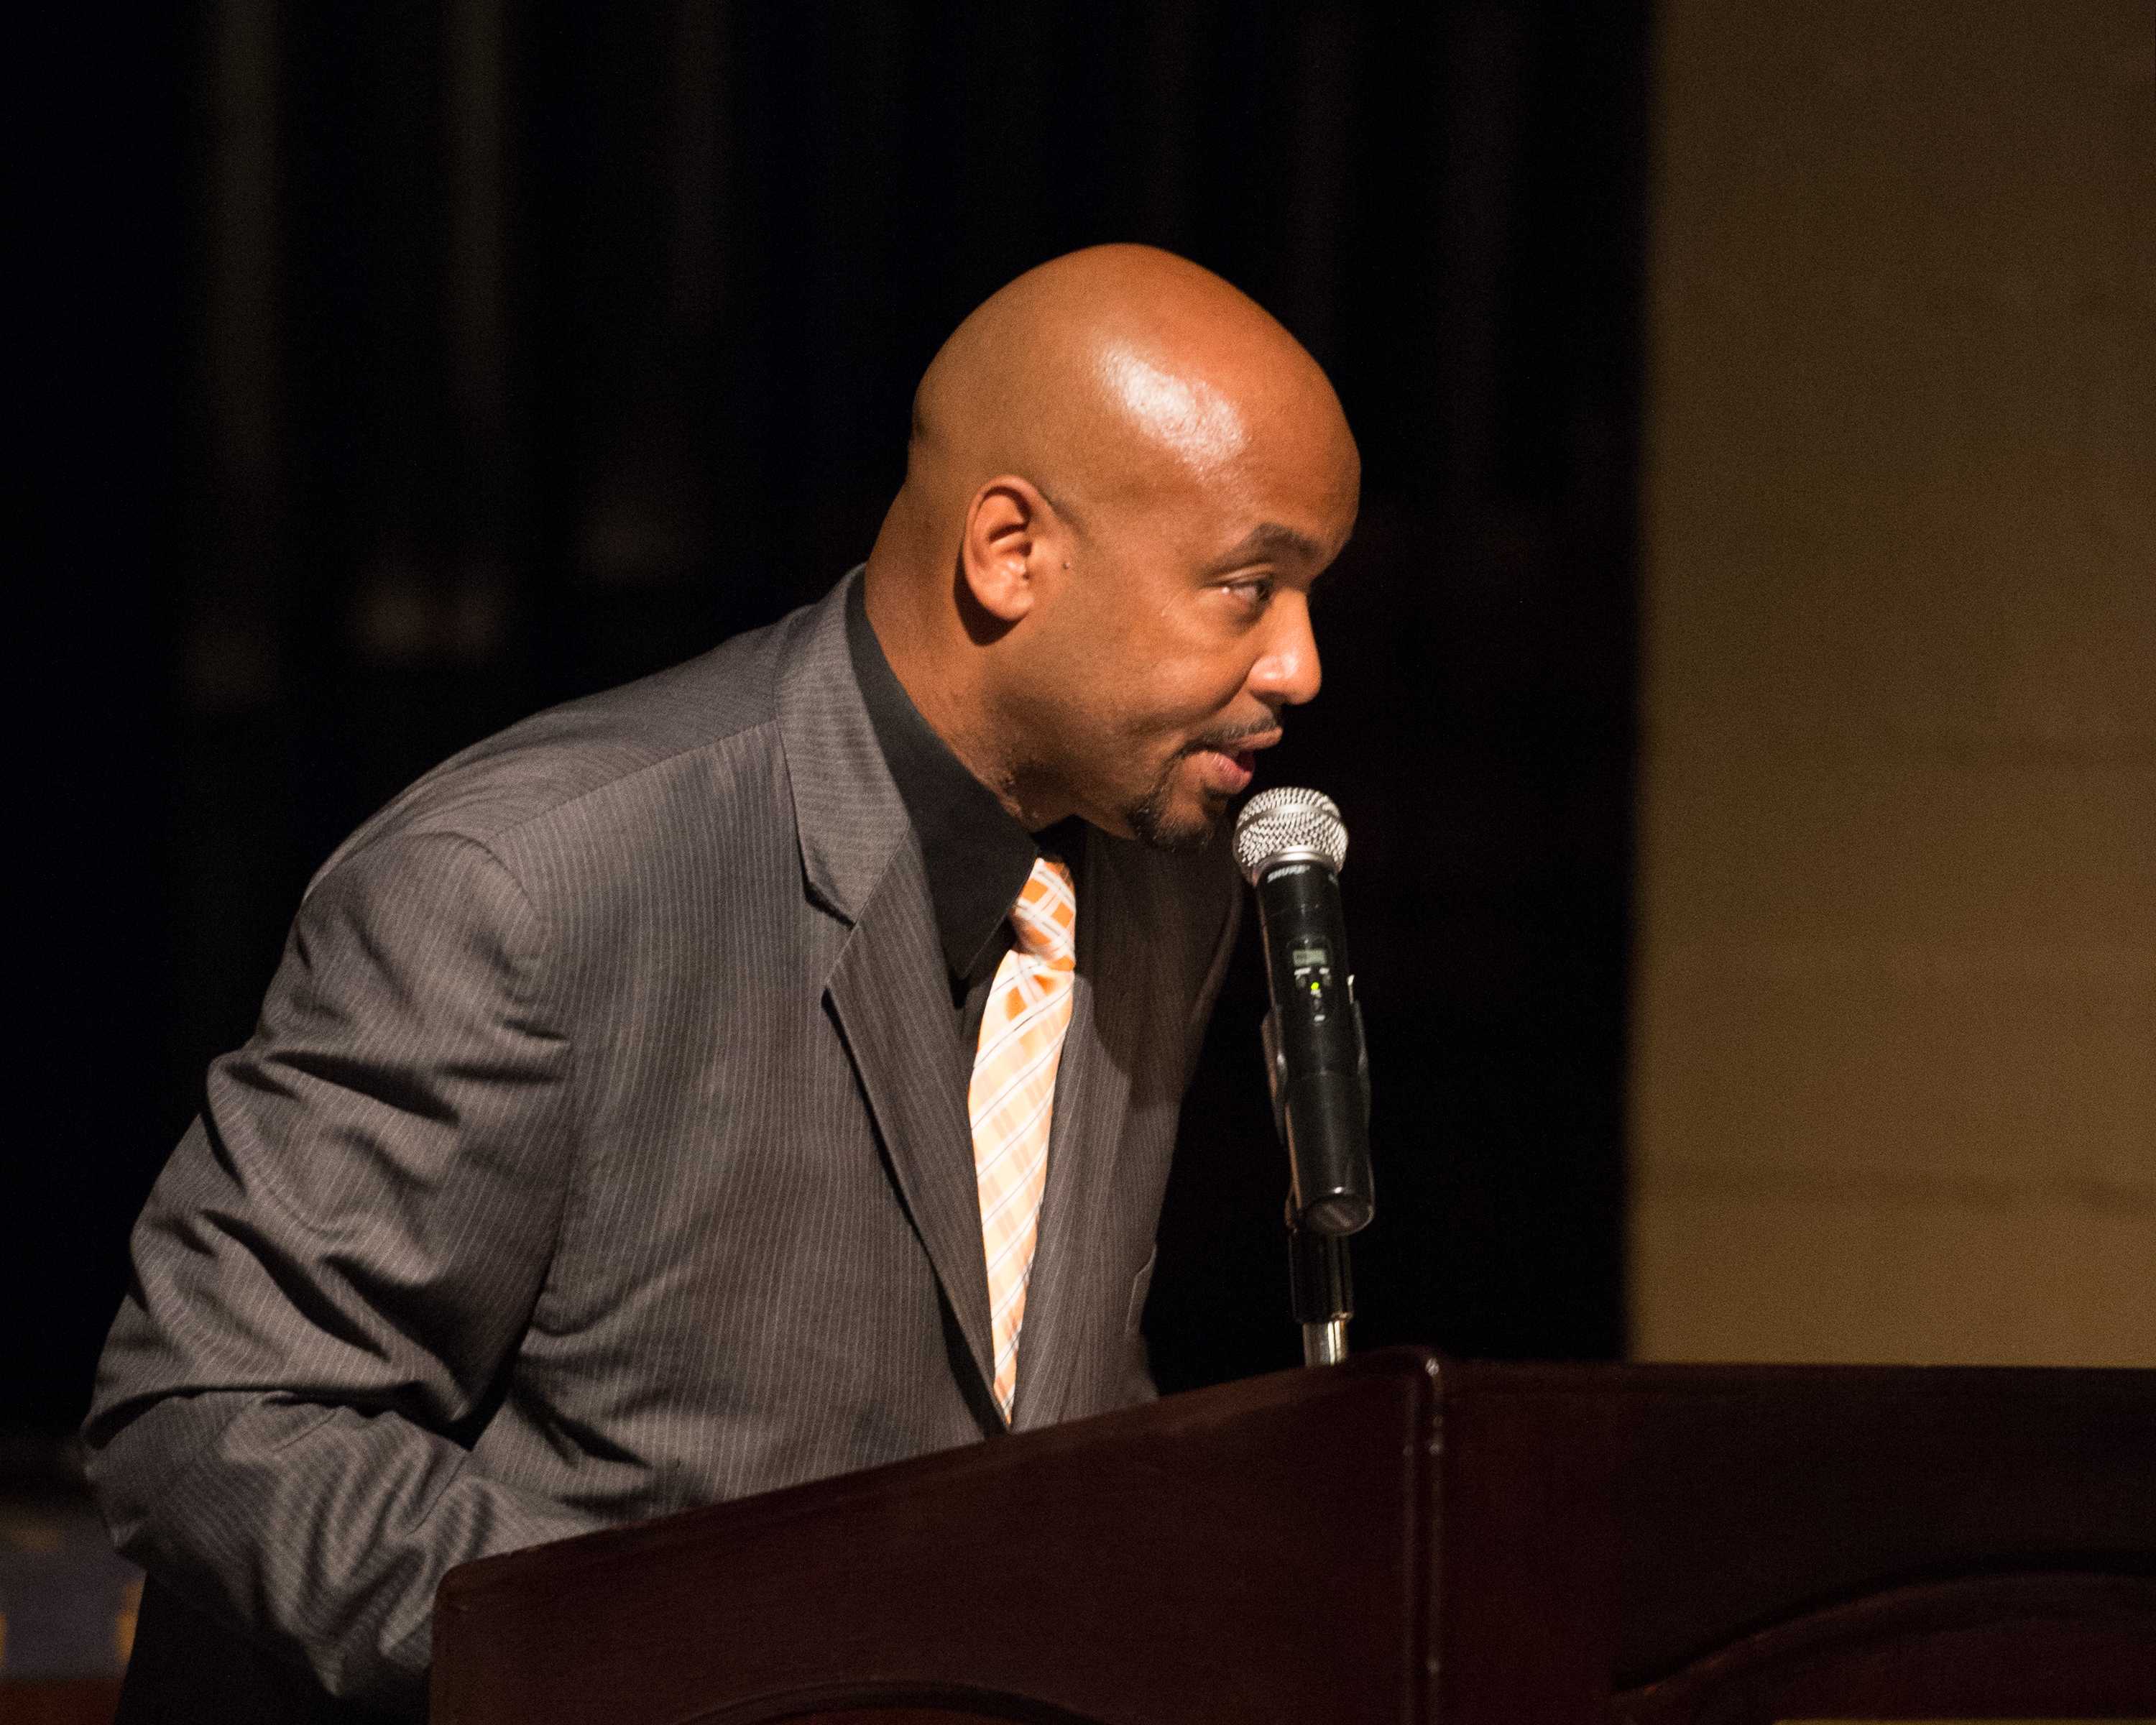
point(1253, 593)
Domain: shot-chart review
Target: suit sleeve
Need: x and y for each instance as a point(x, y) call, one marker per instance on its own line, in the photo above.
point(334, 1270)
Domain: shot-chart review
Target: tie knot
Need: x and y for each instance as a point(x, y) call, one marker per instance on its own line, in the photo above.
point(1046, 914)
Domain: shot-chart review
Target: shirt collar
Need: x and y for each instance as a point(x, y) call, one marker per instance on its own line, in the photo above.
point(976, 855)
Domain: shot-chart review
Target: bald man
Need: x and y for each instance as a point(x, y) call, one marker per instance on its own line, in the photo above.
point(765, 1070)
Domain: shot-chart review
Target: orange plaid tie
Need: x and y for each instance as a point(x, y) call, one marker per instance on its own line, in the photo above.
point(1013, 1094)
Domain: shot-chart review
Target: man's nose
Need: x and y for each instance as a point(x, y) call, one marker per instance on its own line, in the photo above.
point(1287, 671)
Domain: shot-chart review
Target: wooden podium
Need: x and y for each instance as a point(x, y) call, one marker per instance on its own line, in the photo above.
point(1401, 1538)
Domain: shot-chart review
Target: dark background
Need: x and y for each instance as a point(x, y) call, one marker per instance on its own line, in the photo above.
point(395, 370)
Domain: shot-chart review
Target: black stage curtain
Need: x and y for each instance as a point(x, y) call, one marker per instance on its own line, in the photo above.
point(411, 367)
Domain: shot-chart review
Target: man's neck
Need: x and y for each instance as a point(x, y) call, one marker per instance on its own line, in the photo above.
point(945, 688)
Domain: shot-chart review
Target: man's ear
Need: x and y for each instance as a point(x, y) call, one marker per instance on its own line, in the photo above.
point(1006, 548)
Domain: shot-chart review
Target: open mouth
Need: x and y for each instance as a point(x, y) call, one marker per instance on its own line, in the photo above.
point(1225, 764)
point(1225, 771)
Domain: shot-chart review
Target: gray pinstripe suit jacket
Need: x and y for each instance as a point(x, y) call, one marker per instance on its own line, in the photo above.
point(601, 1150)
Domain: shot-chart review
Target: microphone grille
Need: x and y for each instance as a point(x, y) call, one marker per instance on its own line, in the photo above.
point(1289, 822)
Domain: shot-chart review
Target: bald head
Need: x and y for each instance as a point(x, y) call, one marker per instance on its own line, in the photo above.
point(1116, 462)
point(1105, 377)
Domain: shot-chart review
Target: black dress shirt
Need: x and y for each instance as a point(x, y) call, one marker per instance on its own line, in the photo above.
point(975, 852)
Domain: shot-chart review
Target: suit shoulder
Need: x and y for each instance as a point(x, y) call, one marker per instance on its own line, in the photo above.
point(720, 706)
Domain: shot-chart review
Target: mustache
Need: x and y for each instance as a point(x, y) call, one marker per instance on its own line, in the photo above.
point(1228, 742)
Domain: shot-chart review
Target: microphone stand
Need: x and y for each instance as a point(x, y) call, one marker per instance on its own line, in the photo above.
point(1324, 1292)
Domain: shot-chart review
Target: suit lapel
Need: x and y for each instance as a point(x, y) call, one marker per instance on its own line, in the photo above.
point(887, 989)
point(1092, 1095)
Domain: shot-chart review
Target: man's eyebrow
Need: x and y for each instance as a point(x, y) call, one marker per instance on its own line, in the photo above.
point(1272, 540)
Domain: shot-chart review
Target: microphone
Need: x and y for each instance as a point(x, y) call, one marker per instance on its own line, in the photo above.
point(1290, 844)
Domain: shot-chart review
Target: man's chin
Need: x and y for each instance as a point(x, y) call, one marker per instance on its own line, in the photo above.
point(1176, 824)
